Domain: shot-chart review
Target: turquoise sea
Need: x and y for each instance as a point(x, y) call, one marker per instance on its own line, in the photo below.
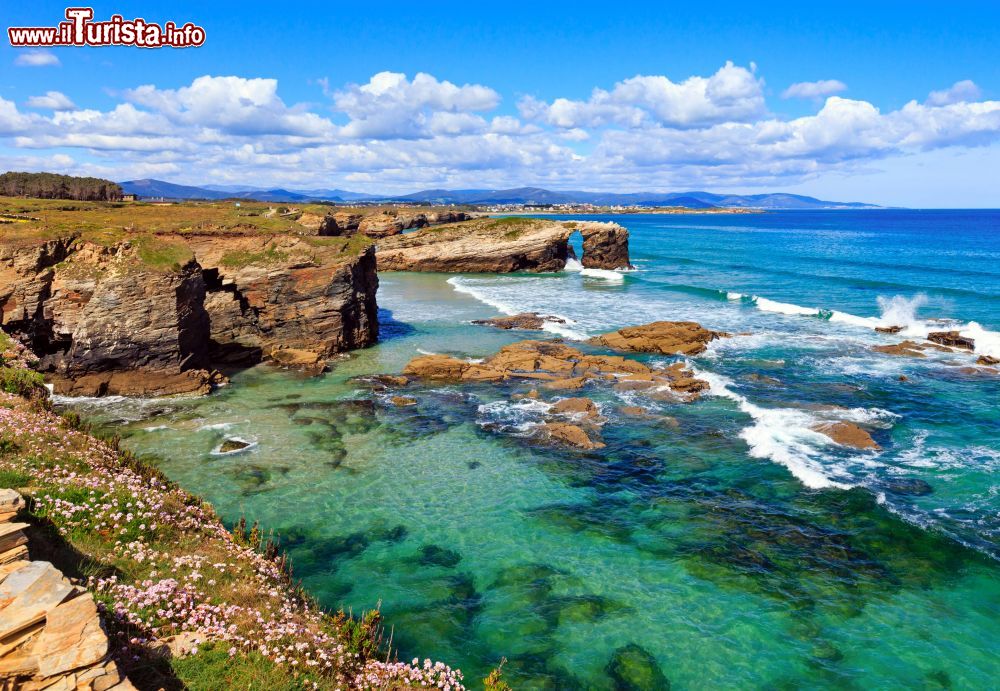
point(725, 538)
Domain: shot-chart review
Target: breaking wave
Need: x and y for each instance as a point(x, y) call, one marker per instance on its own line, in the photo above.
point(898, 310)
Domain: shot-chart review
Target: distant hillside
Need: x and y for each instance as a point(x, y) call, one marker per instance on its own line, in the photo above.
point(517, 195)
point(55, 186)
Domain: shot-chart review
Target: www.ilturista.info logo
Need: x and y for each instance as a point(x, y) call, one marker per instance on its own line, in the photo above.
point(81, 30)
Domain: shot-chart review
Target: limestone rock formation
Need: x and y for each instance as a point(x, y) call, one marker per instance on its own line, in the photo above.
point(503, 245)
point(152, 314)
point(663, 337)
point(605, 245)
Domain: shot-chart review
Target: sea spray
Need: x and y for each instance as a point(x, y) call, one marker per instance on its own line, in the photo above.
point(783, 435)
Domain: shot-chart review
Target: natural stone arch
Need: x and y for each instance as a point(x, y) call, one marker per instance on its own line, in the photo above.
point(605, 244)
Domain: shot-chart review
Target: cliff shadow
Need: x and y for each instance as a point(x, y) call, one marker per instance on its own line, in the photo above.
point(390, 328)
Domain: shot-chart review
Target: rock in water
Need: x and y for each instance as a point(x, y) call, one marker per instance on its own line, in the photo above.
point(570, 435)
point(528, 321)
point(888, 329)
point(952, 339)
point(632, 668)
point(847, 434)
point(907, 348)
point(664, 337)
point(233, 445)
point(987, 360)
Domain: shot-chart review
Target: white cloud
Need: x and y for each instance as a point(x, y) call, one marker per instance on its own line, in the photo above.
point(52, 100)
point(733, 93)
point(231, 104)
point(391, 106)
point(646, 132)
point(36, 58)
point(818, 89)
point(959, 92)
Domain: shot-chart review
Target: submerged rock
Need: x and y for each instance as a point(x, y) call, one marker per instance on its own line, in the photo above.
point(910, 486)
point(433, 555)
point(663, 337)
point(847, 434)
point(633, 668)
point(528, 321)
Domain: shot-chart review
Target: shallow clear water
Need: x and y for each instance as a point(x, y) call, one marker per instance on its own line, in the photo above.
point(736, 546)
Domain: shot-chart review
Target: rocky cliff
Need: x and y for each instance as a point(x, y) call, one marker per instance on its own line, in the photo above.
point(141, 313)
point(502, 245)
point(380, 223)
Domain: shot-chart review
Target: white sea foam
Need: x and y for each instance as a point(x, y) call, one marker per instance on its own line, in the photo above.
point(783, 435)
point(519, 418)
point(574, 266)
point(897, 310)
point(217, 426)
point(784, 307)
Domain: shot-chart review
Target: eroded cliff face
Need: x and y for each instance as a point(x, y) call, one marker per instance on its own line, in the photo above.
point(269, 294)
point(381, 224)
point(503, 245)
point(605, 245)
point(108, 320)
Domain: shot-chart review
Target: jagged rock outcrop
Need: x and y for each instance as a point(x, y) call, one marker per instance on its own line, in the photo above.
point(267, 294)
point(952, 339)
point(379, 223)
point(558, 366)
point(152, 315)
point(605, 245)
point(663, 337)
point(503, 245)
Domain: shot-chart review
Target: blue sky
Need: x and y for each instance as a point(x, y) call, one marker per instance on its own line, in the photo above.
point(686, 97)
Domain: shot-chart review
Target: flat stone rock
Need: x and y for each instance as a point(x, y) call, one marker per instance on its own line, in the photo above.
point(527, 321)
point(29, 594)
point(663, 337)
point(72, 638)
point(847, 434)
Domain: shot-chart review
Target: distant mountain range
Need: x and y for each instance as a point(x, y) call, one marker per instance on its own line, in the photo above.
point(520, 195)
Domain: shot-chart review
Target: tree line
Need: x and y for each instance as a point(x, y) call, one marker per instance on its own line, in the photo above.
point(55, 186)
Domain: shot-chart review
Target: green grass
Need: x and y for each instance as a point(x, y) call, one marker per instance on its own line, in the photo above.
point(13, 479)
point(161, 253)
point(20, 382)
point(212, 669)
point(240, 258)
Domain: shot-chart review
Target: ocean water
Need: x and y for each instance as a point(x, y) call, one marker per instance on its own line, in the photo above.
point(736, 546)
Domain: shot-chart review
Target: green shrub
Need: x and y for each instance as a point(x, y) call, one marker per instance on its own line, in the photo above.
point(21, 382)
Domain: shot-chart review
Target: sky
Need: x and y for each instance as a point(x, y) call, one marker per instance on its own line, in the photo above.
point(894, 103)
